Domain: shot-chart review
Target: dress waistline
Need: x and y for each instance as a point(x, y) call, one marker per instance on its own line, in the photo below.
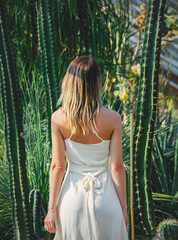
point(90, 180)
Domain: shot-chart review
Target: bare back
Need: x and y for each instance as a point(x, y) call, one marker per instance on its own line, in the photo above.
point(104, 123)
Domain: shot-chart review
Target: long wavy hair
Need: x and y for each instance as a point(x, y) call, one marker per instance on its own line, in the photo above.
point(81, 94)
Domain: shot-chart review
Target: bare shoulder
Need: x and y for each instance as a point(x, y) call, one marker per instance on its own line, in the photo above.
point(111, 115)
point(110, 111)
point(57, 116)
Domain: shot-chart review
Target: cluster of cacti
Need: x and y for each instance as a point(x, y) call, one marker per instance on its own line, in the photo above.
point(145, 116)
point(168, 229)
point(47, 53)
point(15, 144)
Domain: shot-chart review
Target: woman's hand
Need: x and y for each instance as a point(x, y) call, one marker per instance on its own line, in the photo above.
point(50, 220)
point(126, 218)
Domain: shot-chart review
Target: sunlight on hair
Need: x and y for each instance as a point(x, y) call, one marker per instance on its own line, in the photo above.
point(81, 94)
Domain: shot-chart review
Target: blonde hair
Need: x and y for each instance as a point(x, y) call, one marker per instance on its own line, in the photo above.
point(81, 93)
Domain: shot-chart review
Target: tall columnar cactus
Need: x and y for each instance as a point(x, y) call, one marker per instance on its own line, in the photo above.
point(145, 116)
point(48, 56)
point(15, 145)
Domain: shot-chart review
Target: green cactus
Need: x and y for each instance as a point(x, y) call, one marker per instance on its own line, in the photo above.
point(15, 145)
point(48, 56)
point(35, 200)
point(145, 116)
point(168, 229)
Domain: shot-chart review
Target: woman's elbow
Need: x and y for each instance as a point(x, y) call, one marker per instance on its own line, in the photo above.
point(57, 168)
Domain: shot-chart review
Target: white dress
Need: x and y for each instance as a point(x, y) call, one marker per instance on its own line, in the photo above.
point(88, 207)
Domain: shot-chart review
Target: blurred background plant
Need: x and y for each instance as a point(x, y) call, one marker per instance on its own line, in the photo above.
point(111, 32)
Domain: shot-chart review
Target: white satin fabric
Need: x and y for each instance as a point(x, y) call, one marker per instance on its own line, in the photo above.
point(88, 205)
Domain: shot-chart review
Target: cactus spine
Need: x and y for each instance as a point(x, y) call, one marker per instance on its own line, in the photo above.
point(145, 116)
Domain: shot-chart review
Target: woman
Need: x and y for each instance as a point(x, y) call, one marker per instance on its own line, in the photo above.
point(91, 203)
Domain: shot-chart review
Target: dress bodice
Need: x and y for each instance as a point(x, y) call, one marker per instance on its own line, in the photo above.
point(90, 157)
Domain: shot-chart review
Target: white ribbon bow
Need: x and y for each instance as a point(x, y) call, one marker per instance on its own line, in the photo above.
point(90, 179)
